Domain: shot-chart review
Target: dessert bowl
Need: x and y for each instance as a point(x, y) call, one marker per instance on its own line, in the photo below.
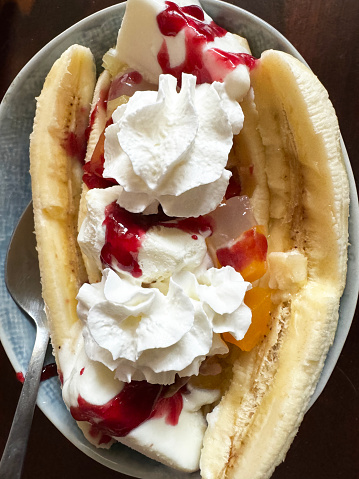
point(98, 32)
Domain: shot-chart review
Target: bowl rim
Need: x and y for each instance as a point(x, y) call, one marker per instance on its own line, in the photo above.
point(350, 295)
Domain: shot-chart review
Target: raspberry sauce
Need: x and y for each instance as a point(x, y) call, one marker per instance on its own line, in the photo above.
point(20, 377)
point(136, 403)
point(48, 371)
point(125, 233)
point(130, 408)
point(234, 185)
point(75, 145)
point(198, 34)
point(251, 247)
point(170, 408)
point(93, 169)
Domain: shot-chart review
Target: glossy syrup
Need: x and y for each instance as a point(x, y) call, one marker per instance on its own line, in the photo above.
point(125, 233)
point(75, 145)
point(93, 169)
point(234, 186)
point(48, 371)
point(198, 34)
point(136, 403)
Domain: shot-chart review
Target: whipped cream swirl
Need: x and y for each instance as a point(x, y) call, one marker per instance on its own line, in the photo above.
point(144, 334)
point(172, 147)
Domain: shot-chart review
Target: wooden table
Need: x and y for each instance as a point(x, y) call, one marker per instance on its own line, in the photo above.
point(326, 33)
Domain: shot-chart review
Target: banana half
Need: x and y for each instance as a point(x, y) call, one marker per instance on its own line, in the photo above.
point(57, 147)
point(251, 430)
point(299, 190)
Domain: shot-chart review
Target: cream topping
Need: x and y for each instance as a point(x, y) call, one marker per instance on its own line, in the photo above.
point(128, 328)
point(172, 147)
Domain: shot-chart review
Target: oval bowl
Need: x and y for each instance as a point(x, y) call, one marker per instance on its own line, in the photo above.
point(17, 333)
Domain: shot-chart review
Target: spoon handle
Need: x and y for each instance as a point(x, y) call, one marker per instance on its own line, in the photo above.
point(14, 453)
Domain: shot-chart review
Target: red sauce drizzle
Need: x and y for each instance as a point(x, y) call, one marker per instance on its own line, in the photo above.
point(20, 377)
point(199, 225)
point(93, 169)
point(103, 439)
point(75, 145)
point(174, 18)
point(125, 232)
point(48, 371)
point(197, 34)
point(130, 408)
point(234, 185)
point(170, 408)
point(136, 403)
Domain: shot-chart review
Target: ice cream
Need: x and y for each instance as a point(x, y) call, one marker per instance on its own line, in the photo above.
point(162, 251)
point(181, 37)
point(174, 431)
point(156, 317)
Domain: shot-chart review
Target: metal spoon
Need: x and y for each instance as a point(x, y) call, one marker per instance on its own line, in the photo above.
point(22, 279)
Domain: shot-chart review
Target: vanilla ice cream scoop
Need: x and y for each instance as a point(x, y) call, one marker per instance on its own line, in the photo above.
point(162, 252)
point(91, 382)
point(181, 37)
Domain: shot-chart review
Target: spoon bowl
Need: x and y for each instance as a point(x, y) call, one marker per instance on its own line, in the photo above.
point(22, 279)
point(22, 274)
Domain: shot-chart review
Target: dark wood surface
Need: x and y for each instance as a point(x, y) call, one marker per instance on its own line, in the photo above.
point(326, 33)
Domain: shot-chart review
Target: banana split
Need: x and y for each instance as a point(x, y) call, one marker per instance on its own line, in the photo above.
point(179, 260)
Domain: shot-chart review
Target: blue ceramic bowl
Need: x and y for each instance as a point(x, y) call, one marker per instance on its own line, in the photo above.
point(17, 333)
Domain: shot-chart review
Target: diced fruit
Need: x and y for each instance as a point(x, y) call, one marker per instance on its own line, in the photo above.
point(127, 83)
point(259, 301)
point(230, 220)
point(247, 255)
